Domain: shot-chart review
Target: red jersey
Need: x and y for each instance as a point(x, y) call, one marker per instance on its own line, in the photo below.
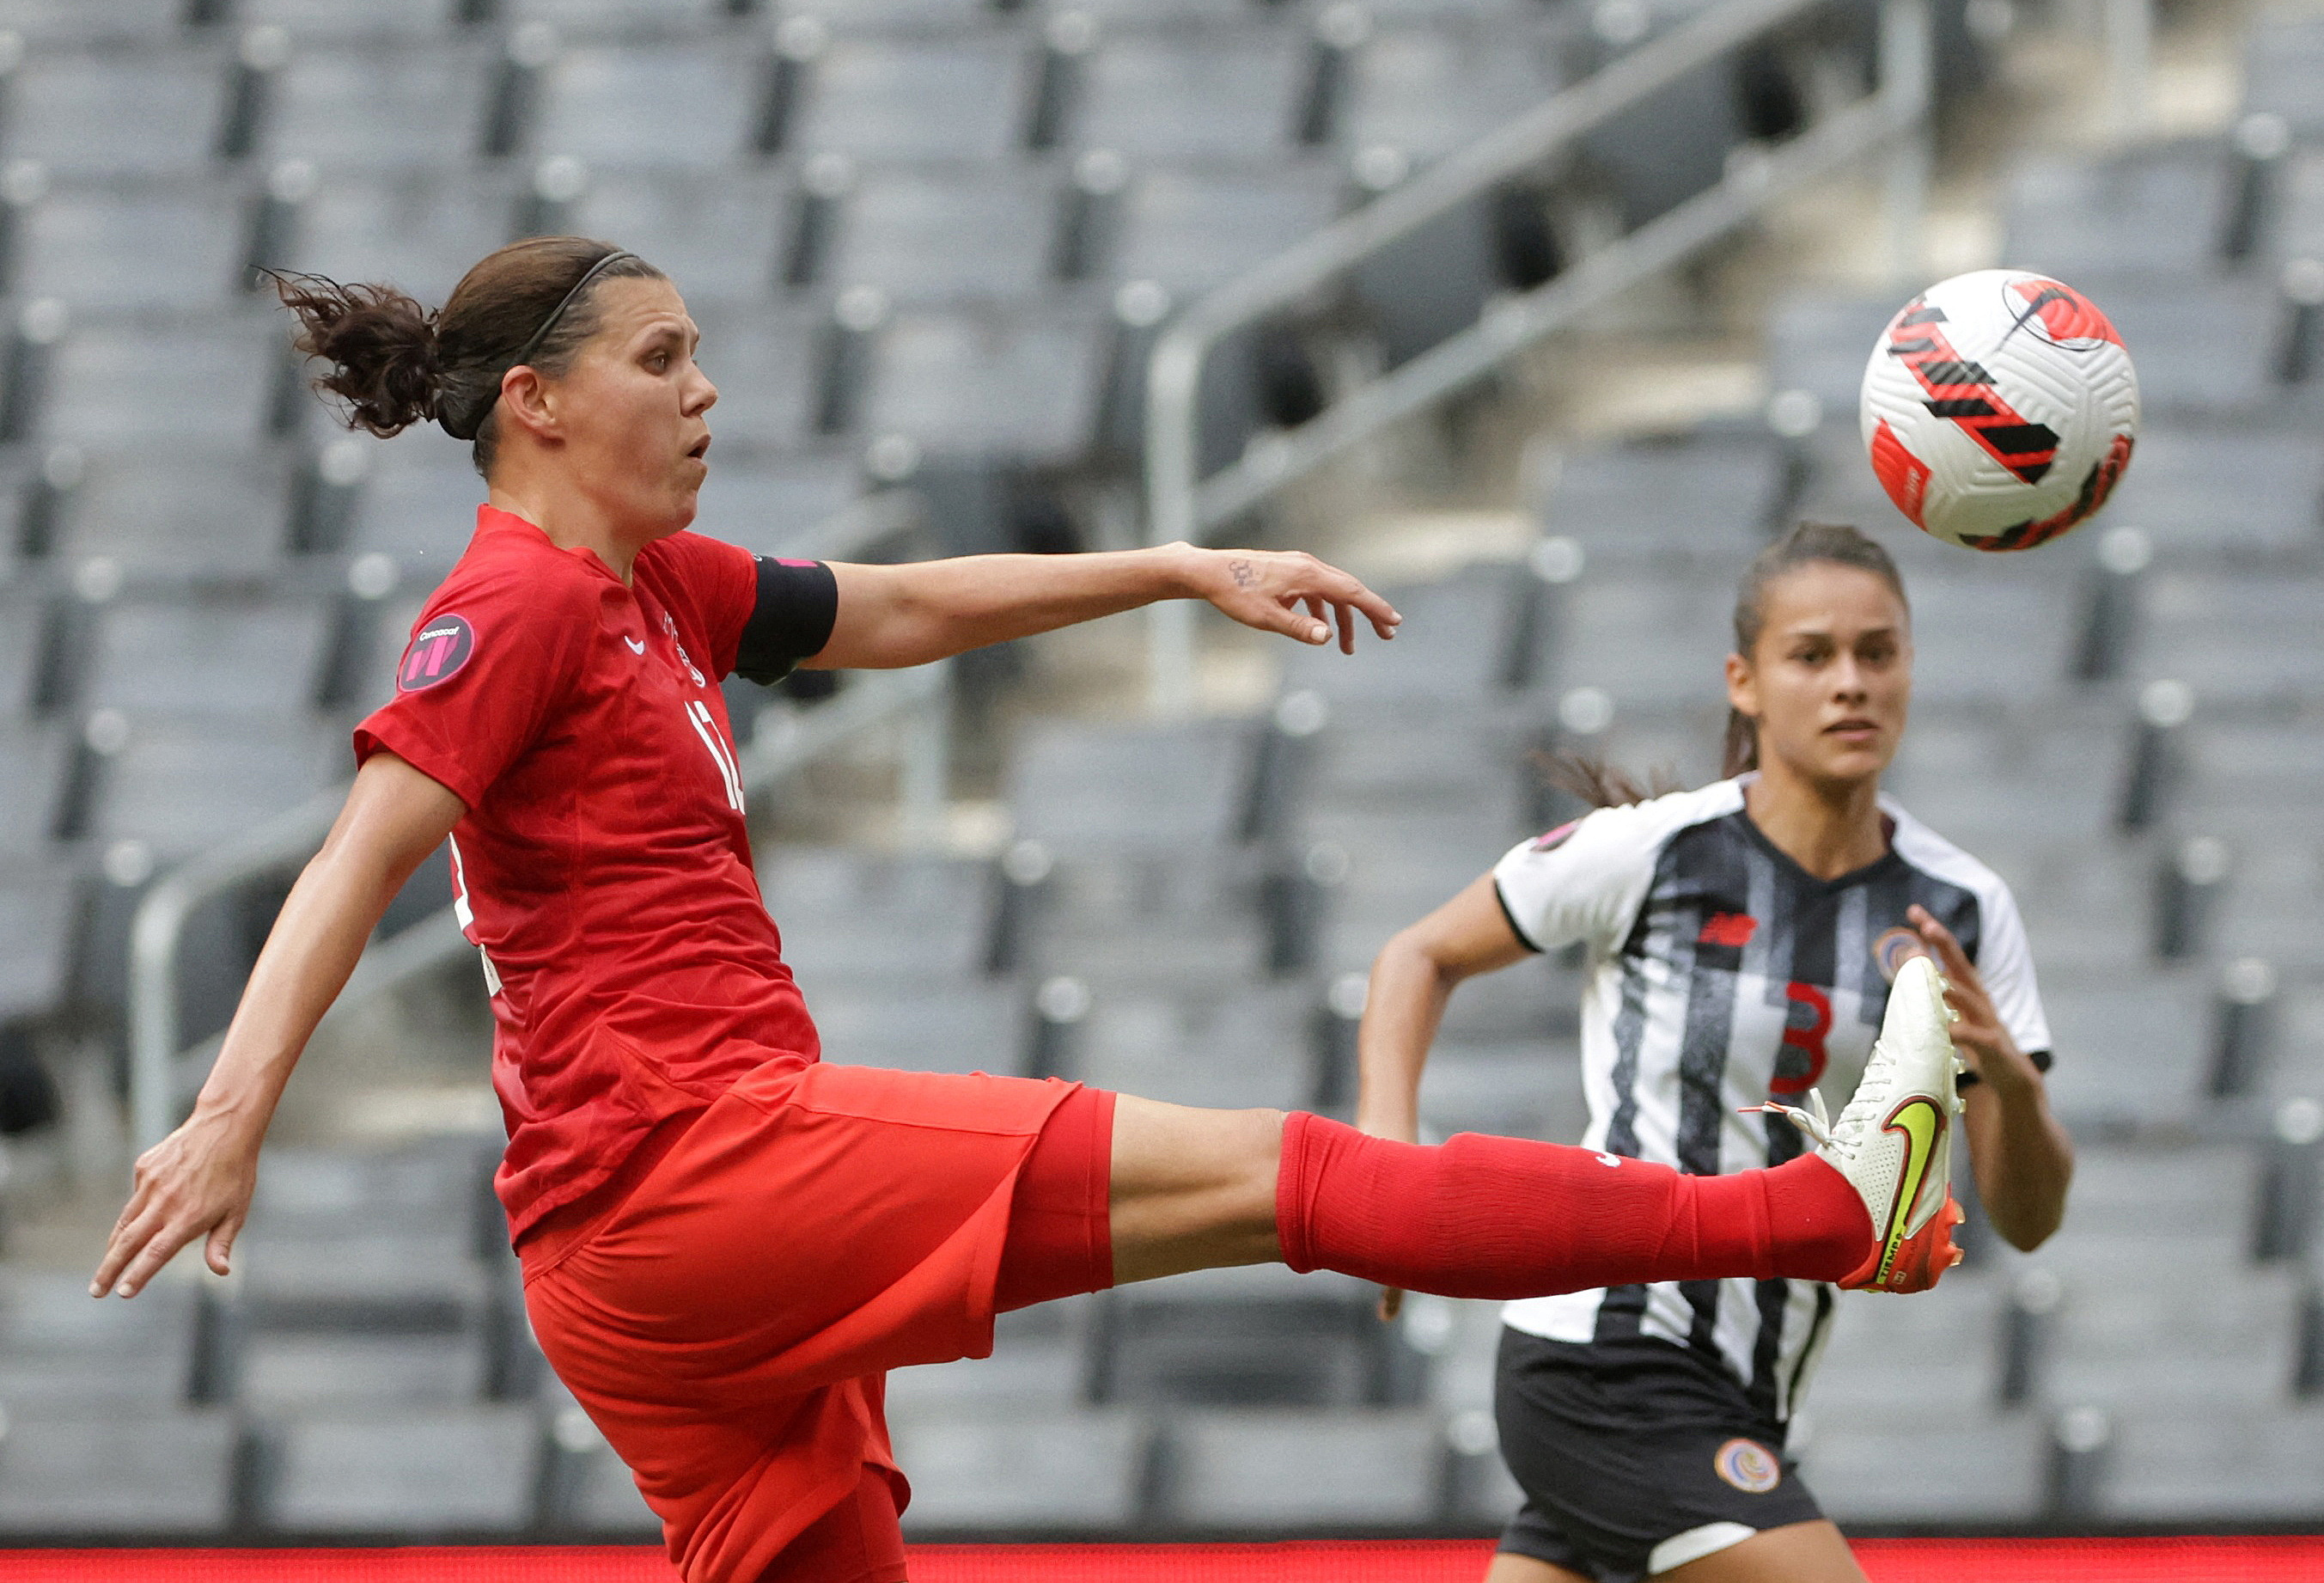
point(602, 866)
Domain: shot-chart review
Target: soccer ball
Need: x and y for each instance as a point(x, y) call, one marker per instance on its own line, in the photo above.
point(1999, 408)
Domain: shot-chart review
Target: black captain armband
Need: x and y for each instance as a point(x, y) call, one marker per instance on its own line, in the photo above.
point(797, 604)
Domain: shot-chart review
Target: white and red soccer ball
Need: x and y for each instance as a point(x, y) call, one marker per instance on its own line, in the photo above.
point(1999, 408)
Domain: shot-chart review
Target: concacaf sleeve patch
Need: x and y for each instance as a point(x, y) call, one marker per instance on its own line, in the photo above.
point(439, 649)
point(1556, 837)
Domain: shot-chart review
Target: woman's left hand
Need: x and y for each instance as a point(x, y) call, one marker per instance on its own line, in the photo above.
point(1288, 591)
point(1977, 1032)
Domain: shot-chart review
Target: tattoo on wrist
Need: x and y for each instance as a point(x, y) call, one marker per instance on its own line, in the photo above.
point(1242, 573)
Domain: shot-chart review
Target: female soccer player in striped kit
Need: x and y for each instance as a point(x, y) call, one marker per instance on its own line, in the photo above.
point(1741, 939)
point(725, 1241)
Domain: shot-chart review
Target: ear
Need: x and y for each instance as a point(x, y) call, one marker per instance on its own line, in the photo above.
point(1742, 686)
point(525, 403)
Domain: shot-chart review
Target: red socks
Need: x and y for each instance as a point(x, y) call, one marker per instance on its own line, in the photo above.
point(1501, 1218)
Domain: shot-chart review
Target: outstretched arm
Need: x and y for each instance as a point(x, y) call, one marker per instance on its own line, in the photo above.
point(1412, 980)
point(897, 615)
point(2022, 1158)
point(197, 1181)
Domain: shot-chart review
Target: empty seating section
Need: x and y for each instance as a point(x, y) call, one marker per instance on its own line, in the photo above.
point(916, 219)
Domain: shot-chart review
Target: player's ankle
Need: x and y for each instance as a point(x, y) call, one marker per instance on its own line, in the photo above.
point(1820, 1229)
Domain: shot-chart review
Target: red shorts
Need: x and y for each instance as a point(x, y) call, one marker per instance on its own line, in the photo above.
point(727, 1322)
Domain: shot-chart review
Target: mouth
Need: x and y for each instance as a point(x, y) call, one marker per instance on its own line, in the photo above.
point(1852, 729)
point(699, 449)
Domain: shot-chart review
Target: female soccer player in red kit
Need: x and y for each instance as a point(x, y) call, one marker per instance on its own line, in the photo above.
point(726, 1241)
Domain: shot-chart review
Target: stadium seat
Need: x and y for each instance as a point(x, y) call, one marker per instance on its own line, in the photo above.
point(855, 919)
point(1528, 1087)
point(1150, 921)
point(102, 247)
point(118, 387)
point(180, 785)
point(1453, 648)
point(1427, 91)
point(2216, 1467)
point(32, 764)
point(718, 233)
point(2199, 352)
point(1249, 1470)
point(948, 1027)
point(212, 512)
point(380, 107)
point(1021, 386)
point(1647, 642)
point(463, 1471)
point(2283, 65)
point(1188, 230)
point(916, 100)
point(1038, 1356)
point(685, 105)
point(1182, 98)
point(938, 236)
point(75, 1469)
point(198, 655)
point(1164, 789)
point(1819, 344)
point(59, 1352)
point(2172, 491)
point(2182, 1351)
point(2234, 637)
point(1252, 1336)
point(1873, 1470)
point(427, 19)
point(1029, 1471)
point(116, 111)
point(771, 507)
point(419, 232)
point(1224, 1050)
point(37, 902)
point(1703, 498)
point(2156, 210)
point(764, 366)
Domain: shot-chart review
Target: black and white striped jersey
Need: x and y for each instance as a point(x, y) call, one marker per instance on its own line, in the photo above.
point(1722, 974)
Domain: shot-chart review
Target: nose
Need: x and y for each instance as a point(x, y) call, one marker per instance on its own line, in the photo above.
point(1848, 678)
point(701, 396)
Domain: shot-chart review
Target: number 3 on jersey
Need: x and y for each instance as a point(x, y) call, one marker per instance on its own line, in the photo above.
point(698, 716)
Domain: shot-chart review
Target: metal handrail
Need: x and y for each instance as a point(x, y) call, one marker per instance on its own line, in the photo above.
point(785, 742)
point(1181, 505)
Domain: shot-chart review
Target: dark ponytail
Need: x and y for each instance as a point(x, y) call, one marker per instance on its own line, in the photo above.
point(1805, 545)
point(381, 345)
point(395, 363)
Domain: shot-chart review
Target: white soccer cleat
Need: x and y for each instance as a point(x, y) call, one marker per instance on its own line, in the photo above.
point(1894, 1141)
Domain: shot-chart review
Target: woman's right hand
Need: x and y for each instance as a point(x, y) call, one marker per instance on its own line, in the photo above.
point(196, 1183)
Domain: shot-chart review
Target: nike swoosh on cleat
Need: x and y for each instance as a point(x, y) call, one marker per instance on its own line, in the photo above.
point(1920, 1122)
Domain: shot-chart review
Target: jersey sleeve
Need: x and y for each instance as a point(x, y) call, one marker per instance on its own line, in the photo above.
point(484, 671)
point(1583, 882)
point(2005, 961)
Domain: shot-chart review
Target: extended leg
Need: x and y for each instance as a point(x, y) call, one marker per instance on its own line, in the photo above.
point(1492, 1217)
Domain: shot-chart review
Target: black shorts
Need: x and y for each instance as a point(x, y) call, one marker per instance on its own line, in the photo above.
point(1625, 1447)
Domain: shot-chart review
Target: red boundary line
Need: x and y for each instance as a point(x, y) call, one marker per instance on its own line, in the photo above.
point(2191, 1560)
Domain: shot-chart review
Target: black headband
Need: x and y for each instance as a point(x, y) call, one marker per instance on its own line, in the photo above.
point(469, 424)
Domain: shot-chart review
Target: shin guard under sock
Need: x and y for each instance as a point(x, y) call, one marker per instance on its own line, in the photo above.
point(1502, 1217)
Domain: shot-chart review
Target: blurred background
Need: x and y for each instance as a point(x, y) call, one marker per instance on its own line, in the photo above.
point(1539, 314)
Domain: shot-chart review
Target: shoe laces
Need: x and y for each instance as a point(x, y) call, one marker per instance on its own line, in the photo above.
point(1815, 1121)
